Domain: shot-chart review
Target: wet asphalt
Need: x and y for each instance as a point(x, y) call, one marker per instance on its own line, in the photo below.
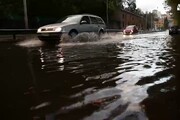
point(116, 77)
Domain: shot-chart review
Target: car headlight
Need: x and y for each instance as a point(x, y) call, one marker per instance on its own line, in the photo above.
point(39, 30)
point(58, 29)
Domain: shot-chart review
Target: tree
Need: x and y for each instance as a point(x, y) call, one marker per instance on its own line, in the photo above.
point(166, 23)
point(44, 10)
point(122, 4)
point(130, 4)
point(139, 11)
point(174, 5)
point(11, 7)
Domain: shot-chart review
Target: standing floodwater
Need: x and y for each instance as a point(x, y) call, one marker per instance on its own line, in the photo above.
point(116, 78)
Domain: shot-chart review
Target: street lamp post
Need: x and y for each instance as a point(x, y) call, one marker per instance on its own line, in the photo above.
point(107, 15)
point(25, 14)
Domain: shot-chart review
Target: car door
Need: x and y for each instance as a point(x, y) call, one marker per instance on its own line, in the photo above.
point(84, 25)
point(94, 25)
point(101, 23)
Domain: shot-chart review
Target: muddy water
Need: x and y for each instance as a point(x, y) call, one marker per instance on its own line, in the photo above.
point(115, 78)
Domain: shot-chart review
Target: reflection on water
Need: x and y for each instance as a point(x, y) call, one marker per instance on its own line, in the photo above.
point(114, 80)
point(51, 60)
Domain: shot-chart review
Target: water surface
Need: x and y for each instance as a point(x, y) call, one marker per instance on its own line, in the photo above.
point(115, 78)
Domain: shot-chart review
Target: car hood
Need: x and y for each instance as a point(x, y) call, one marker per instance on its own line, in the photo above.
point(127, 30)
point(57, 25)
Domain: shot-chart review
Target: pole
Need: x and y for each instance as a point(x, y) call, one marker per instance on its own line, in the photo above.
point(146, 22)
point(151, 22)
point(107, 16)
point(25, 14)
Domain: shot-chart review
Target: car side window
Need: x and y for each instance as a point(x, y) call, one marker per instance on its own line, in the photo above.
point(93, 20)
point(85, 20)
point(99, 20)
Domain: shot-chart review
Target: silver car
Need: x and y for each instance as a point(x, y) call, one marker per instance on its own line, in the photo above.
point(71, 26)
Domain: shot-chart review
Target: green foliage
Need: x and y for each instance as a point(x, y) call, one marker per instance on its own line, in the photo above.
point(173, 4)
point(58, 8)
point(11, 7)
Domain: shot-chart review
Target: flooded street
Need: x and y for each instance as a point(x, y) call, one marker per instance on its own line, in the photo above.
point(115, 78)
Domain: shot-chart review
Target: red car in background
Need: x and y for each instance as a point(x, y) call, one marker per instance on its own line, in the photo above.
point(129, 30)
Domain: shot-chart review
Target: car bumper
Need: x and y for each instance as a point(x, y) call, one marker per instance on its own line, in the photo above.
point(127, 33)
point(50, 36)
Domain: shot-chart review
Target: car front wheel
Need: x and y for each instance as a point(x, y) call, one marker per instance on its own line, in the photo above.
point(73, 34)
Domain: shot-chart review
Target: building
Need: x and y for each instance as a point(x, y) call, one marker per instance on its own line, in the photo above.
point(123, 18)
point(159, 24)
point(159, 20)
point(157, 14)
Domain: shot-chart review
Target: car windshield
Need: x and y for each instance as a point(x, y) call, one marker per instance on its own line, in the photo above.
point(129, 27)
point(68, 19)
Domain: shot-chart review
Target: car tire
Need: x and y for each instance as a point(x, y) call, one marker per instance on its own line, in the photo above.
point(73, 34)
point(100, 33)
point(42, 38)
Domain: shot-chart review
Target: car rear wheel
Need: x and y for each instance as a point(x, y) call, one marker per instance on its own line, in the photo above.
point(100, 33)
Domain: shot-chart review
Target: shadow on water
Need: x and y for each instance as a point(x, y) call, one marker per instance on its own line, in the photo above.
point(114, 78)
point(15, 78)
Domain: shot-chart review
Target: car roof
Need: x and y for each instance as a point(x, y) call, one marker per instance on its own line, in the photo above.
point(85, 15)
point(131, 25)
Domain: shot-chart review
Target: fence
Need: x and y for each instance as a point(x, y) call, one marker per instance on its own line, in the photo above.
point(15, 32)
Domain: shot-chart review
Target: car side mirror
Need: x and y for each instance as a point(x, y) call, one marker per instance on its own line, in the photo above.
point(83, 22)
